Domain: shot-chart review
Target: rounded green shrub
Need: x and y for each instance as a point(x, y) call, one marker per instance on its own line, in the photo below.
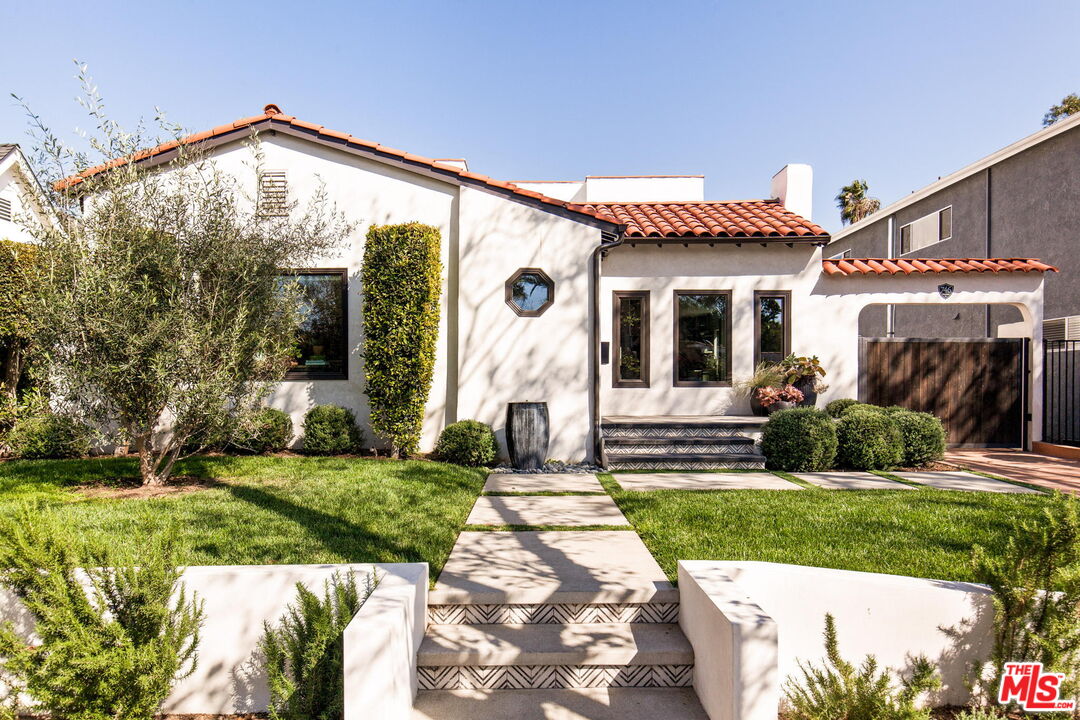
point(837, 407)
point(799, 440)
point(267, 431)
point(922, 434)
point(467, 442)
point(48, 436)
point(868, 439)
point(331, 430)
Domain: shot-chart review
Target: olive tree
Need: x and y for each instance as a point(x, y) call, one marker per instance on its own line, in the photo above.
point(162, 315)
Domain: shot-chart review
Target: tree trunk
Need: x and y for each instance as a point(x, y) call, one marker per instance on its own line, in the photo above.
point(11, 361)
point(144, 445)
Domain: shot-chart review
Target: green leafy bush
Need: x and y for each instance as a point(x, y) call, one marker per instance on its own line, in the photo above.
point(1036, 584)
point(19, 265)
point(304, 652)
point(922, 434)
point(836, 408)
point(110, 650)
point(840, 691)
point(467, 442)
point(269, 430)
point(868, 439)
point(799, 440)
point(402, 280)
point(331, 430)
point(48, 436)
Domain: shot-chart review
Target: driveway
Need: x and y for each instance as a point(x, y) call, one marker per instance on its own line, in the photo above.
point(1042, 470)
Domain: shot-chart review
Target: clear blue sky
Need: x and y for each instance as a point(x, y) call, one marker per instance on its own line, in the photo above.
point(896, 93)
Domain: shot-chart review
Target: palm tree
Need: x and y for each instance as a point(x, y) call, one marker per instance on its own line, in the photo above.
point(854, 204)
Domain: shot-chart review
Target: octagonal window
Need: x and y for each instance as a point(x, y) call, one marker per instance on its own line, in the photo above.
point(530, 292)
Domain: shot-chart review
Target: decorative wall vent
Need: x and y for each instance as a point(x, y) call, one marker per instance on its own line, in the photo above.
point(5, 209)
point(273, 194)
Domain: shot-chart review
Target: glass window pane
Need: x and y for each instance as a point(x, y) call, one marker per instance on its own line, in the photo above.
point(945, 224)
point(771, 321)
point(703, 342)
point(905, 239)
point(530, 292)
point(630, 334)
point(320, 340)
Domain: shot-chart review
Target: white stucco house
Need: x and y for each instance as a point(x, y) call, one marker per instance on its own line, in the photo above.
point(628, 304)
point(20, 195)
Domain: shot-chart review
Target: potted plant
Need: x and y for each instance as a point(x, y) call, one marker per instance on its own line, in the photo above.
point(765, 375)
point(805, 374)
point(775, 399)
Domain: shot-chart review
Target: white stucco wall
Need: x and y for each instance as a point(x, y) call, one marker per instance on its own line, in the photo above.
point(824, 316)
point(15, 186)
point(750, 623)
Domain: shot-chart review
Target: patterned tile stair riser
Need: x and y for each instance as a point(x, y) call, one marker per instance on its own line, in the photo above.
point(552, 614)
point(534, 677)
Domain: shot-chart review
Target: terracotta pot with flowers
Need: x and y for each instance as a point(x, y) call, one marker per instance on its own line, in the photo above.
point(805, 374)
point(775, 399)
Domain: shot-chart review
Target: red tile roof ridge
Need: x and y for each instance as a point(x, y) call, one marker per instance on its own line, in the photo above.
point(908, 266)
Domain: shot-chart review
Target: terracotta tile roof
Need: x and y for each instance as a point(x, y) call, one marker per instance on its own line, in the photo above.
point(908, 266)
point(273, 116)
point(748, 219)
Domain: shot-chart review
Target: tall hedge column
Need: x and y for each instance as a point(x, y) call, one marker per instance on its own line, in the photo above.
point(402, 280)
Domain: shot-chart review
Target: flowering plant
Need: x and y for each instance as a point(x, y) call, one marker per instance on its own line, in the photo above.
point(788, 393)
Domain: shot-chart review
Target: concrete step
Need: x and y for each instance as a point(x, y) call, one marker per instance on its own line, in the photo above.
point(549, 644)
point(684, 461)
point(690, 440)
point(575, 704)
point(673, 426)
point(553, 613)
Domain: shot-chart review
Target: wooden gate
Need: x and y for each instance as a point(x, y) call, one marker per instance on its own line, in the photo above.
point(976, 386)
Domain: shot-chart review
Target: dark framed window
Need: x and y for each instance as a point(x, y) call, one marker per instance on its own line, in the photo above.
point(772, 325)
point(322, 340)
point(630, 335)
point(702, 338)
point(530, 292)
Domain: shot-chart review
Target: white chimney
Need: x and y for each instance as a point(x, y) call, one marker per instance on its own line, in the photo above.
point(794, 187)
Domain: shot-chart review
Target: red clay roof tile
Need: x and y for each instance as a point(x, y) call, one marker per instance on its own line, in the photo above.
point(750, 219)
point(894, 266)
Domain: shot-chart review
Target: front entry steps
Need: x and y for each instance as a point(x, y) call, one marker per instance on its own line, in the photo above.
point(699, 442)
point(574, 704)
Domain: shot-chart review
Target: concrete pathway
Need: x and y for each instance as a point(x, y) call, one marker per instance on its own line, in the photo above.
point(851, 481)
point(703, 481)
point(962, 481)
point(1042, 470)
point(546, 510)
point(541, 482)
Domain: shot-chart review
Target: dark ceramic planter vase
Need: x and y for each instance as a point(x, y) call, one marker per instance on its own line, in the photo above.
point(805, 385)
point(755, 405)
point(527, 434)
point(779, 405)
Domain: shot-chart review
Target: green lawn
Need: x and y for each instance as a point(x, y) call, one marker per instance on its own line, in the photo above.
point(267, 510)
point(923, 533)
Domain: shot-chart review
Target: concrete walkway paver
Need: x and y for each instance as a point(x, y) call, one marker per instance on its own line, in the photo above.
point(1042, 470)
point(851, 481)
point(546, 510)
point(703, 481)
point(565, 566)
point(962, 481)
point(542, 482)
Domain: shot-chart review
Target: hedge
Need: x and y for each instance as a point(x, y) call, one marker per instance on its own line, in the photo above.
point(331, 430)
point(48, 436)
point(868, 438)
point(837, 407)
point(18, 263)
point(402, 281)
point(922, 436)
point(799, 440)
point(467, 442)
point(269, 430)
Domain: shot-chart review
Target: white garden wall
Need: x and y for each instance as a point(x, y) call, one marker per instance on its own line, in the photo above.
point(380, 643)
point(751, 622)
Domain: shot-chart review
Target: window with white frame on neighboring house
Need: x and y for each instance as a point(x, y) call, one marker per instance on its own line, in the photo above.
point(273, 194)
point(5, 209)
point(841, 255)
point(925, 231)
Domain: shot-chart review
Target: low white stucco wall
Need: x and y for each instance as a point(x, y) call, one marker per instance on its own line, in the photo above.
point(751, 622)
point(380, 643)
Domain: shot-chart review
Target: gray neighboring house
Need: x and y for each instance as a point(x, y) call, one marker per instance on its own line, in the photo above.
point(1022, 201)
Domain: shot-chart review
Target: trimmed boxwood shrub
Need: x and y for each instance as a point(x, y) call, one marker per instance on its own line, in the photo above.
point(799, 440)
point(922, 434)
point(467, 442)
point(868, 439)
point(269, 430)
point(48, 436)
point(837, 407)
point(402, 281)
point(331, 430)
